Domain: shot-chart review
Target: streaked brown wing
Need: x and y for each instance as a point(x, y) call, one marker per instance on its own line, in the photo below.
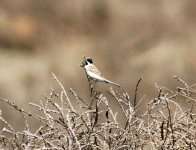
point(94, 70)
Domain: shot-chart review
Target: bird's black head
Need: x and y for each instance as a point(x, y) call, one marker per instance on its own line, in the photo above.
point(86, 61)
point(89, 61)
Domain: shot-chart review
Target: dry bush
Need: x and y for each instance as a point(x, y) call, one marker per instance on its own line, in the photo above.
point(164, 125)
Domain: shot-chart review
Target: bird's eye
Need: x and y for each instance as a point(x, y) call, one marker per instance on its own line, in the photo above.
point(90, 60)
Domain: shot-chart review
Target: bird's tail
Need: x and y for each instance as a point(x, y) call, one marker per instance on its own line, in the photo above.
point(108, 81)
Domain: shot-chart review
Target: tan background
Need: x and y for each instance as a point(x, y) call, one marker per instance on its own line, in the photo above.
point(127, 39)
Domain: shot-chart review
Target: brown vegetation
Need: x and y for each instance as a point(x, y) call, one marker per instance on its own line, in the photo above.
point(93, 124)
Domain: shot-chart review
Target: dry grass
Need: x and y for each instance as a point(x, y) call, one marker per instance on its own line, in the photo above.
point(164, 125)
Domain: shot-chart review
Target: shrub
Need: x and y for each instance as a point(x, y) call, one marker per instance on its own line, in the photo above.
point(164, 125)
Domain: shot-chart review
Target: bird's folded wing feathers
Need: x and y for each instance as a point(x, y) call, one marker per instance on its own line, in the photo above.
point(94, 70)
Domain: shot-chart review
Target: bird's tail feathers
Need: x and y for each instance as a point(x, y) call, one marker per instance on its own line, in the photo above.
point(108, 81)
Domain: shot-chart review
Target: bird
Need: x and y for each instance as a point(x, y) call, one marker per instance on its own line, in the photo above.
point(93, 73)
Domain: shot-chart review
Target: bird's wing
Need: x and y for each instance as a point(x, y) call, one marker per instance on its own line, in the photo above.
point(95, 70)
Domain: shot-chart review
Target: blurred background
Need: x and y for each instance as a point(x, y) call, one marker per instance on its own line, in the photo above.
point(128, 39)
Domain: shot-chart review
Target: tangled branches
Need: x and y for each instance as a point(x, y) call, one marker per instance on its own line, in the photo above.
point(164, 125)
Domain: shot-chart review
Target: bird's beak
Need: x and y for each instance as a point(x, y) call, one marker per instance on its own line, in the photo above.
point(82, 64)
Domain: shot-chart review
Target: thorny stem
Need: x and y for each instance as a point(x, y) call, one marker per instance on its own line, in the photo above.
point(70, 105)
point(170, 123)
point(136, 92)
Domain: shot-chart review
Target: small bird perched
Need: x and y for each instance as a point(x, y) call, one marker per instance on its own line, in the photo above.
point(93, 73)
